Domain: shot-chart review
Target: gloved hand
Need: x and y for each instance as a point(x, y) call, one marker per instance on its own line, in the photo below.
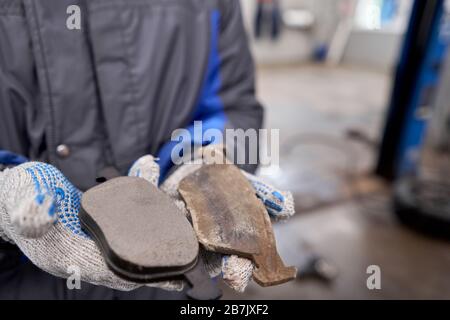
point(39, 213)
point(236, 271)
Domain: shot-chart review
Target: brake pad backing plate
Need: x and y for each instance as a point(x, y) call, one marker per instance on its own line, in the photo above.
point(228, 218)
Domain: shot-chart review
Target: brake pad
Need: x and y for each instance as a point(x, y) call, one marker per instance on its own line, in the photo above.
point(142, 234)
point(228, 218)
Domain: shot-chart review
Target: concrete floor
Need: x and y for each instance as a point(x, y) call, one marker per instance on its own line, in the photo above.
point(314, 106)
point(353, 238)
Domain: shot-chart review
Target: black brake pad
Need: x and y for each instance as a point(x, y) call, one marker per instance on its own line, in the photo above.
point(142, 234)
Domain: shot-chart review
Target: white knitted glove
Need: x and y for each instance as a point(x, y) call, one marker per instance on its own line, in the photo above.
point(236, 271)
point(39, 213)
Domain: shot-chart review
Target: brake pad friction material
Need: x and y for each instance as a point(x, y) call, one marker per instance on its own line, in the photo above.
point(140, 231)
point(228, 218)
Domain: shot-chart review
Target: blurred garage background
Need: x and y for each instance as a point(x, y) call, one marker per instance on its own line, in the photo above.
point(358, 89)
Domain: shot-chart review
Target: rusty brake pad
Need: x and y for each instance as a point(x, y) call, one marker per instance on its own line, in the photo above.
point(143, 236)
point(228, 218)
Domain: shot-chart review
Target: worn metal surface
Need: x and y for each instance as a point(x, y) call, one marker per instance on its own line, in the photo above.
point(230, 219)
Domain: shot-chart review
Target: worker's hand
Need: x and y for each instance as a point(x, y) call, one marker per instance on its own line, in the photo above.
point(39, 213)
point(236, 271)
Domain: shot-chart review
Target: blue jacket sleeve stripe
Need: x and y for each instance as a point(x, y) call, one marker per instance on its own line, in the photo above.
point(210, 108)
point(8, 158)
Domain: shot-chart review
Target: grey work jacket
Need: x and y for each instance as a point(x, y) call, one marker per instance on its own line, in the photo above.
point(114, 90)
